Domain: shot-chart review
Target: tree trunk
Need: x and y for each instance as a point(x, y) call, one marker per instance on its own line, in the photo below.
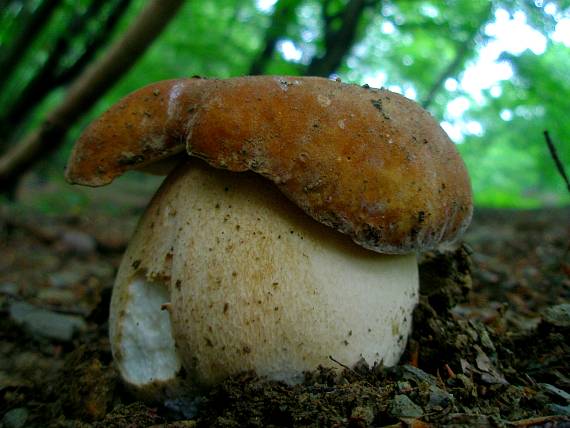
point(461, 54)
point(52, 74)
point(282, 16)
point(31, 26)
point(86, 90)
point(338, 42)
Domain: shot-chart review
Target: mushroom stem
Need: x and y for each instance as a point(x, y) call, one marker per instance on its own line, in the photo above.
point(255, 284)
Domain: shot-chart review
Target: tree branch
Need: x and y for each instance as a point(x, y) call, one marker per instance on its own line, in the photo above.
point(52, 73)
point(87, 89)
point(338, 42)
point(43, 81)
point(462, 52)
point(282, 16)
point(31, 26)
point(93, 44)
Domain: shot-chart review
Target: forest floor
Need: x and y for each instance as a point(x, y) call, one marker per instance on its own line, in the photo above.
point(490, 346)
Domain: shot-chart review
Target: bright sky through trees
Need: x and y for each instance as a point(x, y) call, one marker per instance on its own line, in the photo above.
point(494, 72)
point(510, 34)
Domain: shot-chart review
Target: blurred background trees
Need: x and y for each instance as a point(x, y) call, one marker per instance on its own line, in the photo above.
point(495, 73)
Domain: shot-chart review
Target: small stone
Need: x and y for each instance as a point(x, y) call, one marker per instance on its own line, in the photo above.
point(555, 392)
point(9, 289)
point(15, 418)
point(65, 279)
point(438, 397)
point(558, 316)
point(46, 323)
point(100, 269)
point(410, 372)
point(77, 242)
point(491, 374)
point(559, 410)
point(56, 296)
point(184, 406)
point(403, 407)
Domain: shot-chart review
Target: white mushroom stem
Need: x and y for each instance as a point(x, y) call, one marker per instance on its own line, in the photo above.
point(252, 283)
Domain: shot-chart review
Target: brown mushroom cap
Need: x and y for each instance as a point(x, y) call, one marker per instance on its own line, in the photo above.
point(367, 162)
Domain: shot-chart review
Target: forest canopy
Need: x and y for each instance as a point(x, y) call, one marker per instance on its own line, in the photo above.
point(494, 73)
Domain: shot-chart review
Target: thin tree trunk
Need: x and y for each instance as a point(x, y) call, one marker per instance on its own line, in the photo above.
point(99, 39)
point(86, 90)
point(51, 74)
point(338, 42)
point(282, 16)
point(29, 29)
point(461, 54)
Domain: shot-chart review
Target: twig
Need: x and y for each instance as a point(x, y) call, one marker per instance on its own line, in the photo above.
point(349, 369)
point(340, 364)
point(556, 158)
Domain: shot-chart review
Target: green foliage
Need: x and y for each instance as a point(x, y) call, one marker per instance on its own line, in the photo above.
point(413, 44)
point(512, 155)
point(509, 162)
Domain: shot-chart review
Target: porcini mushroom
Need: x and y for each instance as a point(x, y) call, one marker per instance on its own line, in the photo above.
point(292, 239)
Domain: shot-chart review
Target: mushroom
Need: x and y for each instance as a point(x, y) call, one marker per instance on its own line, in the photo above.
point(291, 240)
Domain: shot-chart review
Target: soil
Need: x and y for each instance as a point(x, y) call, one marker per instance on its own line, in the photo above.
point(490, 345)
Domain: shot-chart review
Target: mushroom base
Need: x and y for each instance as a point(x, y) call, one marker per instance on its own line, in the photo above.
point(246, 281)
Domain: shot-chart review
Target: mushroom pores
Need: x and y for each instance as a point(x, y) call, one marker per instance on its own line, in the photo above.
point(225, 274)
